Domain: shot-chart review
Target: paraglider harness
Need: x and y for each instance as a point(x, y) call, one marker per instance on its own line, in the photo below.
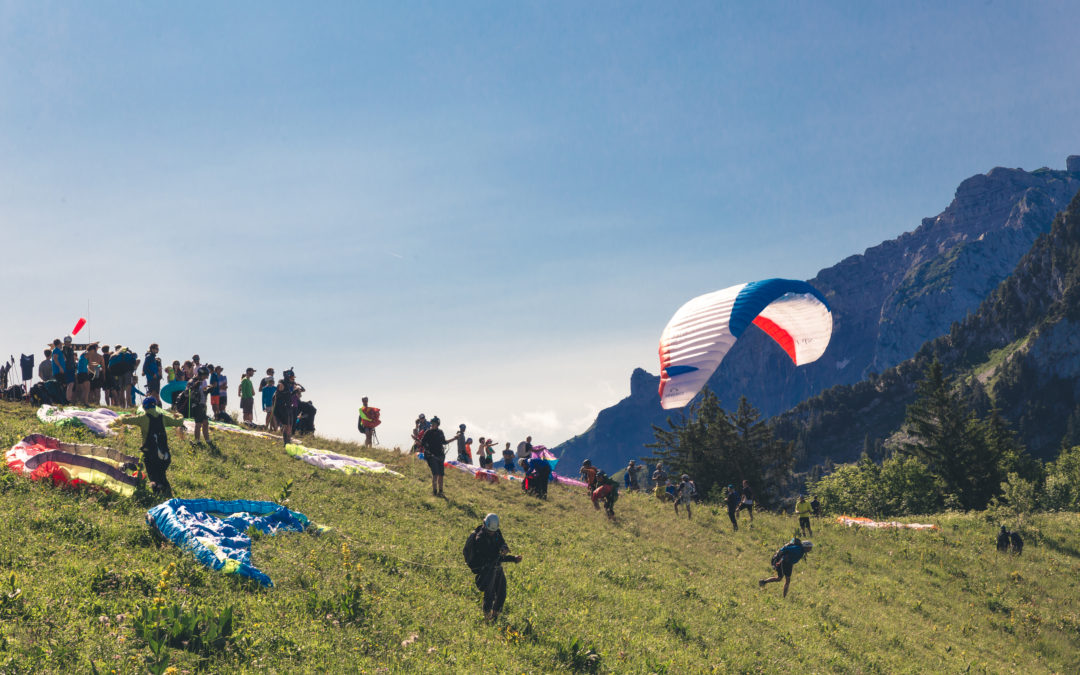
point(367, 421)
point(482, 560)
point(156, 456)
point(788, 554)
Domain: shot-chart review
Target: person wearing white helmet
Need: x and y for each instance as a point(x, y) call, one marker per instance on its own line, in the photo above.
point(485, 551)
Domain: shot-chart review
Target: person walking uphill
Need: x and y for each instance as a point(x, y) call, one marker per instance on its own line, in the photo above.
point(485, 551)
point(155, 446)
point(434, 443)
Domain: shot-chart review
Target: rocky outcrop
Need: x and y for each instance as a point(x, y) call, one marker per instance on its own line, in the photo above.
point(886, 303)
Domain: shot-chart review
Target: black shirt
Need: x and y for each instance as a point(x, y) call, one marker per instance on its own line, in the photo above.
point(434, 443)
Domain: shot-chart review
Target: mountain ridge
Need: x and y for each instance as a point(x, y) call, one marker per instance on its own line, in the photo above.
point(887, 302)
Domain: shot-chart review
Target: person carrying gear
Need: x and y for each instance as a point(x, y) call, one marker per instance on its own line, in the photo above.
point(588, 474)
point(539, 473)
point(434, 444)
point(155, 446)
point(784, 559)
point(607, 489)
point(485, 551)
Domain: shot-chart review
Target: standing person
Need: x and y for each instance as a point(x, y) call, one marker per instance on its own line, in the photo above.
point(368, 418)
point(485, 551)
point(215, 389)
point(82, 380)
point(732, 501)
point(69, 366)
point(155, 445)
point(508, 458)
point(463, 454)
point(524, 448)
point(747, 499)
point(783, 560)
point(176, 373)
point(95, 366)
point(188, 369)
point(803, 511)
point(45, 371)
point(223, 390)
point(607, 489)
point(151, 370)
point(267, 387)
point(684, 494)
point(632, 475)
point(420, 427)
point(196, 396)
point(1003, 540)
point(815, 505)
point(588, 474)
point(246, 391)
point(434, 443)
point(539, 473)
point(659, 479)
point(107, 382)
point(286, 401)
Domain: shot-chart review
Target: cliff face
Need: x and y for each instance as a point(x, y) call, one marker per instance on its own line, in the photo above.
point(1021, 347)
point(886, 303)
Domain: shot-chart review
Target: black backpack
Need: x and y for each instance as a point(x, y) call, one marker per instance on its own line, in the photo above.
point(470, 552)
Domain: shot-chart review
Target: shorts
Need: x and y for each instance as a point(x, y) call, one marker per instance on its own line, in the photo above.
point(783, 568)
point(223, 400)
point(198, 413)
point(83, 377)
point(804, 521)
point(215, 401)
point(69, 377)
point(436, 465)
point(247, 405)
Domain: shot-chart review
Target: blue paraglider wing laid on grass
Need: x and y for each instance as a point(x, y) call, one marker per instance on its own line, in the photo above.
point(215, 531)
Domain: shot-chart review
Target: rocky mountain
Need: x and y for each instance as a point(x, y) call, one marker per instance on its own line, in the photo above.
point(1018, 352)
point(886, 302)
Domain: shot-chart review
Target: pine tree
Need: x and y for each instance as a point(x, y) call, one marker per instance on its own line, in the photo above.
point(952, 442)
point(716, 448)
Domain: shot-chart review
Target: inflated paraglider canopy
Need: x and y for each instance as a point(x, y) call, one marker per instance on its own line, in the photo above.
point(699, 335)
point(72, 464)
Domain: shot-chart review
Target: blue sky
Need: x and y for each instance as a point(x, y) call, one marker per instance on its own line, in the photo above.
point(486, 211)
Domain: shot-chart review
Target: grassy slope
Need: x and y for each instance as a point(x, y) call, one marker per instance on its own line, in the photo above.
point(650, 594)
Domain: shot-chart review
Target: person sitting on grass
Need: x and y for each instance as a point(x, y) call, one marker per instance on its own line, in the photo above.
point(783, 560)
point(155, 446)
point(485, 551)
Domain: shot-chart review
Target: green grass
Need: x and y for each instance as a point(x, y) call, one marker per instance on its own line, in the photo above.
point(650, 593)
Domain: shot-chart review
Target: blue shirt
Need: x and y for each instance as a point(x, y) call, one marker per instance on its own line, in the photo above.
point(84, 365)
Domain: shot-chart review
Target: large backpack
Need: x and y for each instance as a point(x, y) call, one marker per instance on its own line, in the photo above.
point(470, 552)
